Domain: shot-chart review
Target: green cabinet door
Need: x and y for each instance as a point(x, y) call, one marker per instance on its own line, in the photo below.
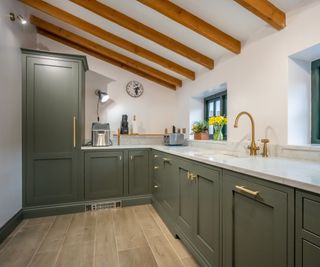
point(187, 194)
point(139, 178)
point(103, 175)
point(51, 129)
point(307, 229)
point(257, 224)
point(170, 185)
point(207, 213)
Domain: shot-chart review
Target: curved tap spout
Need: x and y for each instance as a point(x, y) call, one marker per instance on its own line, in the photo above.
point(253, 147)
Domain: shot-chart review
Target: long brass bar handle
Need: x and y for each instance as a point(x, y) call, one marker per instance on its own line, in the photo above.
point(74, 131)
point(248, 191)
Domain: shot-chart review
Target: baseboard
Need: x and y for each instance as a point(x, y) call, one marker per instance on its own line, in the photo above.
point(10, 225)
point(51, 210)
point(59, 209)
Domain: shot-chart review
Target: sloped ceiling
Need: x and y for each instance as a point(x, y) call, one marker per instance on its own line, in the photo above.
point(227, 15)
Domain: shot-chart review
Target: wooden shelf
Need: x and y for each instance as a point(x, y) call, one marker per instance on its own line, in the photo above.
point(146, 135)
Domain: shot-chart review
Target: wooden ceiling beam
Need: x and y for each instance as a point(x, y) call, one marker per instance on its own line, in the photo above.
point(267, 11)
point(145, 31)
point(194, 23)
point(104, 58)
point(103, 50)
point(107, 36)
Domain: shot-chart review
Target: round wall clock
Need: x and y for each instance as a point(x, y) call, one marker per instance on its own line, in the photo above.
point(134, 88)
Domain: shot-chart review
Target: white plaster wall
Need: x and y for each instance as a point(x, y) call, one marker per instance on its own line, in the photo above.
point(12, 37)
point(299, 102)
point(257, 79)
point(155, 109)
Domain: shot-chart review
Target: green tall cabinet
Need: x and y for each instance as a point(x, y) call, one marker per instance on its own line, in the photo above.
point(53, 118)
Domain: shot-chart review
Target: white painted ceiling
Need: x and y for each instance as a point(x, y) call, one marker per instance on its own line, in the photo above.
point(227, 15)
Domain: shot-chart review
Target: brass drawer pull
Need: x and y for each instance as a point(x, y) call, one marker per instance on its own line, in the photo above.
point(156, 186)
point(156, 156)
point(166, 159)
point(74, 131)
point(248, 191)
point(156, 167)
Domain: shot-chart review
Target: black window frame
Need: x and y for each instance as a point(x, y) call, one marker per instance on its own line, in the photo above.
point(315, 102)
point(222, 96)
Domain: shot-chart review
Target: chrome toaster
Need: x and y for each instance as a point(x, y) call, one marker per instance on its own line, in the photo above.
point(174, 139)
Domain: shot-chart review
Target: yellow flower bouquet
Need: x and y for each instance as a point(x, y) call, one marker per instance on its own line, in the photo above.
point(218, 122)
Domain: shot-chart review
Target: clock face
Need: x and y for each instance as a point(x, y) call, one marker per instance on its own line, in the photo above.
point(134, 89)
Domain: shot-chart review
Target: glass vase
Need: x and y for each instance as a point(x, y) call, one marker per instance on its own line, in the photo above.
point(218, 135)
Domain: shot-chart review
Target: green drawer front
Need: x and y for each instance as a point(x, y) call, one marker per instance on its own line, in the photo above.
point(311, 254)
point(311, 216)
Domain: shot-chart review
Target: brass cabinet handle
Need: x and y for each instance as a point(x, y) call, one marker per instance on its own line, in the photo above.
point(155, 156)
point(188, 175)
point(131, 157)
point(120, 158)
point(74, 131)
point(193, 177)
point(166, 160)
point(248, 191)
point(156, 186)
point(156, 167)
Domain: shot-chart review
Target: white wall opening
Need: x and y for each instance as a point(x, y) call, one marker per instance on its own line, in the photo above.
point(299, 95)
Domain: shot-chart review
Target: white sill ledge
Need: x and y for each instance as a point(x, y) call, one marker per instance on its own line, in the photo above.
point(311, 147)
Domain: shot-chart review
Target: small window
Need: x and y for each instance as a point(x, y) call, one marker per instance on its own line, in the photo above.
point(315, 102)
point(216, 105)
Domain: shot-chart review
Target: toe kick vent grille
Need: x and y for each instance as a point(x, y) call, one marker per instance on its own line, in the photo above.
point(103, 205)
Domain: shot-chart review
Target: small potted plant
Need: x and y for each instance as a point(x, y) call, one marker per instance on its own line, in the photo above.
point(200, 130)
point(218, 122)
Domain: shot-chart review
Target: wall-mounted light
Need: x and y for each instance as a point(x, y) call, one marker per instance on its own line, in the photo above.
point(20, 18)
point(103, 97)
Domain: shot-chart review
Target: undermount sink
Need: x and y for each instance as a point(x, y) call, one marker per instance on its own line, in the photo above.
point(219, 155)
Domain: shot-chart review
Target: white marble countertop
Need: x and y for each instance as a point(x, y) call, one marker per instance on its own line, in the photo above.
point(295, 173)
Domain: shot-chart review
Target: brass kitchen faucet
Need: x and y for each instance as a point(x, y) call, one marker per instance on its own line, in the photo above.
point(253, 147)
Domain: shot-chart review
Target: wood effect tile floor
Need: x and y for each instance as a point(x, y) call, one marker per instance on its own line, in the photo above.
point(131, 236)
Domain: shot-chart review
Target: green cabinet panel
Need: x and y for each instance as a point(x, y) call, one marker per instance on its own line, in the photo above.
point(52, 112)
point(257, 230)
point(139, 178)
point(307, 229)
point(103, 175)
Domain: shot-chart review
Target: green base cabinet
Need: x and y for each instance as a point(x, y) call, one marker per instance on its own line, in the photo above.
point(104, 175)
point(199, 209)
point(307, 229)
point(258, 223)
point(116, 173)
